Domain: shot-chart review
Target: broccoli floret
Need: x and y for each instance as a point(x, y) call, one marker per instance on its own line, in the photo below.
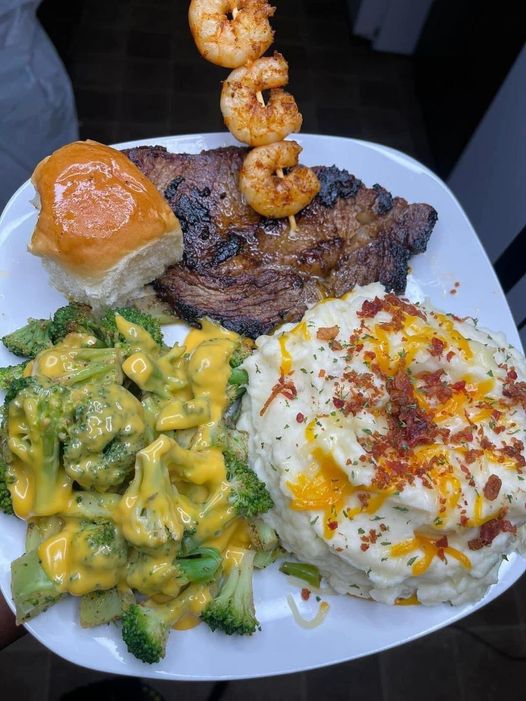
point(232, 611)
point(145, 627)
point(241, 352)
point(11, 373)
point(33, 591)
point(159, 375)
point(133, 315)
point(99, 547)
point(6, 503)
point(147, 575)
point(249, 495)
point(37, 415)
point(32, 338)
point(99, 454)
point(148, 510)
point(74, 318)
point(93, 365)
point(40, 529)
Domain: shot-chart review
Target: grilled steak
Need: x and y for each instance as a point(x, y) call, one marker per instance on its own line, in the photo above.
point(251, 273)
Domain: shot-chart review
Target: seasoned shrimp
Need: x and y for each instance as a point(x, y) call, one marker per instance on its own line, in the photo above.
point(248, 118)
point(231, 33)
point(266, 191)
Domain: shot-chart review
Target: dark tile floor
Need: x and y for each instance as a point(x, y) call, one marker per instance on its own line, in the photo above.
point(136, 73)
point(482, 658)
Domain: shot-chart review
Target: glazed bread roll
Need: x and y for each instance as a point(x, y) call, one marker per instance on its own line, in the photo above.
point(103, 230)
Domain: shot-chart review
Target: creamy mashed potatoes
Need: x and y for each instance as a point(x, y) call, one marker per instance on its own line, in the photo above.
point(391, 437)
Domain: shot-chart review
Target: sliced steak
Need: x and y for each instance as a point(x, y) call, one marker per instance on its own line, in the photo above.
point(251, 273)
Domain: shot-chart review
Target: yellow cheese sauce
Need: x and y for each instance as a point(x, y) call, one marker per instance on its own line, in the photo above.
point(189, 387)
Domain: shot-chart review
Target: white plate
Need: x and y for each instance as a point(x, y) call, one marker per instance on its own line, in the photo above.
point(353, 628)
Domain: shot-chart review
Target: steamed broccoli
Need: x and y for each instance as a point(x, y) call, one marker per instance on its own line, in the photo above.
point(99, 547)
point(232, 611)
point(241, 352)
point(33, 591)
point(32, 338)
point(145, 627)
point(159, 375)
point(100, 607)
point(6, 503)
point(237, 383)
point(166, 571)
point(37, 412)
point(249, 495)
point(99, 454)
point(148, 510)
point(94, 365)
point(11, 373)
point(74, 318)
point(244, 494)
point(40, 529)
point(111, 334)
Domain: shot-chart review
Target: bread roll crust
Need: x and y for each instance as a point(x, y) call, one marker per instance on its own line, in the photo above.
point(96, 207)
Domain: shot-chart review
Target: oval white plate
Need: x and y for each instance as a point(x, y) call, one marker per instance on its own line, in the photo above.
point(353, 628)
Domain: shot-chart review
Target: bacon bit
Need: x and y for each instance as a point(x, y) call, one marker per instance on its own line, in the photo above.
point(327, 333)
point(489, 531)
point(305, 594)
point(514, 451)
point(364, 547)
point(370, 308)
point(450, 356)
point(434, 386)
point(363, 498)
point(321, 373)
point(369, 355)
point(285, 387)
point(383, 527)
point(459, 386)
point(437, 347)
point(442, 542)
point(408, 425)
point(492, 487)
point(464, 520)
point(300, 418)
point(338, 403)
point(333, 525)
point(486, 444)
point(463, 436)
point(472, 455)
point(469, 476)
point(516, 391)
point(373, 536)
point(335, 345)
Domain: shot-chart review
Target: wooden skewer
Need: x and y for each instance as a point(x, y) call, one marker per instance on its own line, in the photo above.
point(279, 172)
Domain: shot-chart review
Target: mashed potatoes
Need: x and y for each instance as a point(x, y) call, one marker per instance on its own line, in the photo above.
point(391, 437)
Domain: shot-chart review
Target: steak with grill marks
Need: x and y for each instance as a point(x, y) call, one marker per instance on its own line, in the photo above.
point(251, 273)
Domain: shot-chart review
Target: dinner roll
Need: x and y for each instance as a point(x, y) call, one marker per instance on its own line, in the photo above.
point(103, 231)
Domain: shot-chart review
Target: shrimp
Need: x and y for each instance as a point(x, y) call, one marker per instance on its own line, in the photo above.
point(266, 191)
point(247, 116)
point(231, 33)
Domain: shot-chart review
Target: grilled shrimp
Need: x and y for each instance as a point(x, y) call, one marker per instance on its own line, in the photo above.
point(266, 191)
point(248, 118)
point(231, 33)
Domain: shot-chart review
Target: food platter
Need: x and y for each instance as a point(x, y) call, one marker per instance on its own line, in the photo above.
point(455, 261)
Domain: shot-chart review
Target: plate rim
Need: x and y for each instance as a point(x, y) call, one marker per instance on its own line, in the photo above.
point(516, 567)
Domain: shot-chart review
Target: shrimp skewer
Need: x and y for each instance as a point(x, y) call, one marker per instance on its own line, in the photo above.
point(231, 33)
point(245, 113)
point(269, 194)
